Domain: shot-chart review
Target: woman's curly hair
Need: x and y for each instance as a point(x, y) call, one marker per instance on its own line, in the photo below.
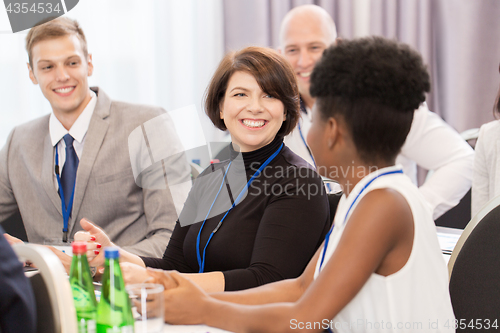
point(375, 85)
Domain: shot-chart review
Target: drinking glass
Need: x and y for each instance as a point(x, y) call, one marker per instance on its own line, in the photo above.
point(147, 307)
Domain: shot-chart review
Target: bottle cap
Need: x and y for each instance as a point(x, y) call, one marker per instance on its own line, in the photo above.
point(111, 252)
point(79, 247)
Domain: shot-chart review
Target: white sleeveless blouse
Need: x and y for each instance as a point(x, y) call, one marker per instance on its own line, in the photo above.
point(414, 299)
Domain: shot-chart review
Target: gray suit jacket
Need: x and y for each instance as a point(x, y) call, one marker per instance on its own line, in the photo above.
point(141, 220)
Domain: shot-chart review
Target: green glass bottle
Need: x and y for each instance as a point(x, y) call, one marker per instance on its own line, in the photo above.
point(114, 312)
point(82, 288)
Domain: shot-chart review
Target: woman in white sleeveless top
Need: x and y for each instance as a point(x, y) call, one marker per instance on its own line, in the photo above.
point(380, 268)
point(415, 298)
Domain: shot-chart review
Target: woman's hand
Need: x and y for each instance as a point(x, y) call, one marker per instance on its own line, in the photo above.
point(162, 277)
point(133, 273)
point(96, 240)
point(93, 248)
point(65, 259)
point(184, 302)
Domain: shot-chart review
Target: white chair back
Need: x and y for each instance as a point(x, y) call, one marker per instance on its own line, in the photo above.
point(468, 229)
point(55, 280)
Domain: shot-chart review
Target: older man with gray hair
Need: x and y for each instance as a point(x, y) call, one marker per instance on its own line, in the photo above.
point(306, 31)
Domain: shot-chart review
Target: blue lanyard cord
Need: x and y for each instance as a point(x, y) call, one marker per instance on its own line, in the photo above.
point(201, 259)
point(205, 220)
point(66, 210)
point(327, 237)
point(328, 186)
point(305, 144)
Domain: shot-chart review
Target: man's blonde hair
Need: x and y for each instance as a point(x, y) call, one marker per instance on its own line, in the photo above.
point(59, 27)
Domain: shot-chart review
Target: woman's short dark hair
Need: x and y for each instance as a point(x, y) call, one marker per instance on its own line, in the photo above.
point(271, 71)
point(375, 85)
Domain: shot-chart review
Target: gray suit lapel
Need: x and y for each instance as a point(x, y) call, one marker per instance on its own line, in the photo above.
point(48, 173)
point(93, 140)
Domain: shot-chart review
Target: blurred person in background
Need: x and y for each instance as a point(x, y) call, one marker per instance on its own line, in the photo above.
point(486, 181)
point(306, 31)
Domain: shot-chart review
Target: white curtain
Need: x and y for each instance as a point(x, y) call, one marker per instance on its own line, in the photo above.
point(458, 39)
point(150, 52)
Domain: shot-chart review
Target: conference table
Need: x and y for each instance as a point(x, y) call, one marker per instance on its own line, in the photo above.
point(447, 237)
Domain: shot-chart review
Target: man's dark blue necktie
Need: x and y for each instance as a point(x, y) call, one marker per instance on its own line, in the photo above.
point(68, 176)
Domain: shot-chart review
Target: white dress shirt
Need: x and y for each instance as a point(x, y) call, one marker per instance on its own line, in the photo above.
point(77, 131)
point(433, 145)
point(486, 180)
point(296, 140)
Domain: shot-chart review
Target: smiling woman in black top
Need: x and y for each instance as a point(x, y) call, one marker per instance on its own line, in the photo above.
point(259, 216)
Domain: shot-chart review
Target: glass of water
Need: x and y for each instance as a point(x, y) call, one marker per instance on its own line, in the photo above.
point(147, 307)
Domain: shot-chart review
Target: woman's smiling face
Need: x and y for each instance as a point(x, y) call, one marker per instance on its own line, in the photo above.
point(252, 117)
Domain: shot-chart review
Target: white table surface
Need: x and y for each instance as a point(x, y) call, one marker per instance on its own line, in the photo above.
point(66, 249)
point(448, 238)
point(191, 329)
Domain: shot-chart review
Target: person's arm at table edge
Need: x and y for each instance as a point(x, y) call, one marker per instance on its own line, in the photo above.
point(446, 153)
point(480, 180)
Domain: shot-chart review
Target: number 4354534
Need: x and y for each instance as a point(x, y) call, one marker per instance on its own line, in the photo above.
point(38, 8)
point(475, 324)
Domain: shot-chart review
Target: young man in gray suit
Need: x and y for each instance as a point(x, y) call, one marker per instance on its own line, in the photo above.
point(74, 163)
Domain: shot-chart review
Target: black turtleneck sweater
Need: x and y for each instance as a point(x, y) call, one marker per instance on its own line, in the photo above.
point(269, 236)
